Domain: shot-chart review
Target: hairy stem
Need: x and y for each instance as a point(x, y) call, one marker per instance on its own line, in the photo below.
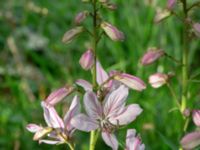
point(94, 73)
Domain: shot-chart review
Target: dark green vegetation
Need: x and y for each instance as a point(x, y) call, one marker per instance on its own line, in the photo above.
point(38, 62)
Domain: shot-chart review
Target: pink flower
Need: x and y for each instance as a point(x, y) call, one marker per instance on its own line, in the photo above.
point(158, 79)
point(58, 130)
point(108, 115)
point(133, 142)
point(171, 4)
point(196, 28)
point(191, 140)
point(58, 95)
point(87, 60)
point(196, 117)
point(80, 17)
point(112, 31)
point(151, 56)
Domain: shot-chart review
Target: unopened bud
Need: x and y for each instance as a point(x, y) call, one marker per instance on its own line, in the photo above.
point(112, 32)
point(190, 140)
point(171, 4)
point(151, 56)
point(196, 117)
point(158, 79)
point(80, 17)
point(71, 34)
point(87, 60)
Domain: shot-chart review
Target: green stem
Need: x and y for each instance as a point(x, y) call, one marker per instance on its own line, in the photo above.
point(94, 74)
point(184, 60)
point(70, 146)
point(174, 95)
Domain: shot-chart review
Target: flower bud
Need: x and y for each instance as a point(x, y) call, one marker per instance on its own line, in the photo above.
point(158, 79)
point(191, 140)
point(151, 56)
point(71, 34)
point(58, 95)
point(130, 81)
point(41, 133)
point(80, 17)
point(196, 117)
point(112, 32)
point(171, 4)
point(87, 60)
point(196, 28)
point(161, 15)
point(33, 128)
point(186, 112)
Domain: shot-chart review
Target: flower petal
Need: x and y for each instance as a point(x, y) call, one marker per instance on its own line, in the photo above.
point(191, 140)
point(196, 117)
point(73, 110)
point(102, 76)
point(92, 105)
point(84, 123)
point(110, 140)
point(84, 84)
point(33, 128)
point(51, 142)
point(127, 116)
point(115, 101)
point(51, 117)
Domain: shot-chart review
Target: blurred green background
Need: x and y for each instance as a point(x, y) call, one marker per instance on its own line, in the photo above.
point(34, 61)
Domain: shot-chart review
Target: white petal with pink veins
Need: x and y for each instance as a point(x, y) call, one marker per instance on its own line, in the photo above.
point(110, 140)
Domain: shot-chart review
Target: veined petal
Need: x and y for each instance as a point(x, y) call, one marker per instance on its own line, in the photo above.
point(92, 105)
point(57, 95)
point(33, 127)
point(84, 123)
point(102, 76)
point(115, 101)
point(73, 110)
point(51, 117)
point(132, 82)
point(51, 142)
point(110, 140)
point(191, 140)
point(196, 117)
point(84, 84)
point(127, 116)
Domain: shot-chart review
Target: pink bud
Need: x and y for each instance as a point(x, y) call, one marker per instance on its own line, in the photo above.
point(196, 117)
point(57, 95)
point(196, 28)
point(130, 81)
point(158, 79)
point(151, 56)
point(71, 34)
point(171, 4)
point(33, 128)
point(112, 32)
point(80, 17)
point(87, 60)
point(191, 140)
point(161, 15)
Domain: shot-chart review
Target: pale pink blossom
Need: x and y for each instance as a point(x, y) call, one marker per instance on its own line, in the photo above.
point(112, 32)
point(58, 130)
point(58, 95)
point(87, 60)
point(133, 142)
point(196, 117)
point(190, 140)
point(107, 115)
point(158, 79)
point(151, 56)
